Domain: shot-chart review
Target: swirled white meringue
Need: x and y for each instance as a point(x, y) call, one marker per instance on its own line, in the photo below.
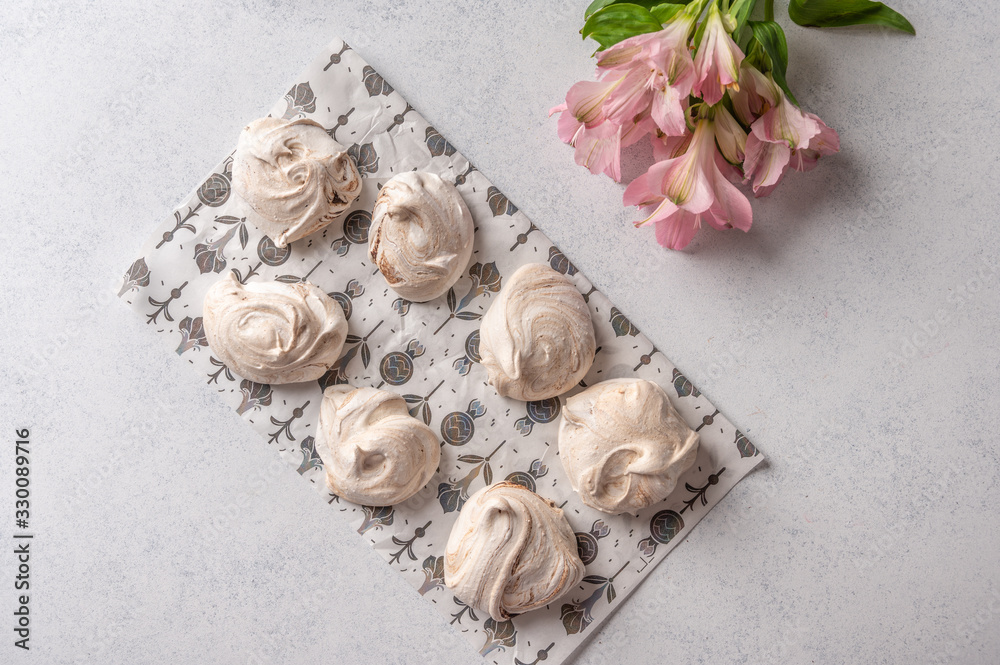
point(510, 551)
point(272, 332)
point(537, 339)
point(421, 235)
point(623, 445)
point(293, 176)
point(374, 452)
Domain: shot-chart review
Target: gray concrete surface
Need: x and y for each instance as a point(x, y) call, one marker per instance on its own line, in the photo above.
point(168, 532)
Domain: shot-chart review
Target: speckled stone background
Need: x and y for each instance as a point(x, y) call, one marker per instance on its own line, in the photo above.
point(852, 334)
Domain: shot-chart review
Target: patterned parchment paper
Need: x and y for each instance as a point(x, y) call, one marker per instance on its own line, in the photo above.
point(428, 352)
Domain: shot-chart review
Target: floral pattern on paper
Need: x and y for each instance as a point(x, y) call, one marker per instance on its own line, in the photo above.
point(428, 353)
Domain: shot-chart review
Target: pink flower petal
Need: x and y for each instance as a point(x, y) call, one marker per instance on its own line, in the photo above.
point(647, 189)
point(756, 94)
point(663, 210)
point(682, 75)
point(826, 141)
point(629, 97)
point(568, 126)
point(627, 51)
point(673, 55)
point(687, 182)
point(787, 123)
point(804, 160)
point(702, 196)
point(731, 208)
point(638, 193)
point(683, 179)
point(641, 125)
point(765, 163)
point(599, 149)
point(585, 100)
point(667, 111)
point(733, 173)
point(613, 167)
point(668, 147)
point(676, 231)
point(717, 62)
point(729, 136)
point(764, 191)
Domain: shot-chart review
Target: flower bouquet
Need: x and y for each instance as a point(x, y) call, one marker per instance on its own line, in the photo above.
point(707, 85)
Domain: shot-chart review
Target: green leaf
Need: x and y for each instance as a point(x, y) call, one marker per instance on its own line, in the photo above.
point(597, 5)
point(740, 11)
point(614, 23)
point(772, 38)
point(698, 34)
point(833, 13)
point(665, 11)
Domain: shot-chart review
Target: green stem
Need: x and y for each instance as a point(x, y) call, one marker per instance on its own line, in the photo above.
point(697, 8)
point(768, 10)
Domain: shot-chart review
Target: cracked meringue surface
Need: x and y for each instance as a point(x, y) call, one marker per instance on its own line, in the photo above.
point(272, 332)
point(293, 178)
point(374, 452)
point(623, 445)
point(421, 235)
point(511, 551)
point(537, 340)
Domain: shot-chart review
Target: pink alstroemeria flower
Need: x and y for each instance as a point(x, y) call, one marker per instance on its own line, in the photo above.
point(785, 136)
point(717, 63)
point(687, 188)
point(584, 125)
point(730, 136)
point(756, 95)
point(653, 71)
point(598, 147)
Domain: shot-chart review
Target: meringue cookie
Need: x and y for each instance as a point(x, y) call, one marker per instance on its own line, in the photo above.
point(537, 340)
point(510, 551)
point(293, 177)
point(421, 235)
point(623, 445)
point(374, 452)
point(272, 332)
